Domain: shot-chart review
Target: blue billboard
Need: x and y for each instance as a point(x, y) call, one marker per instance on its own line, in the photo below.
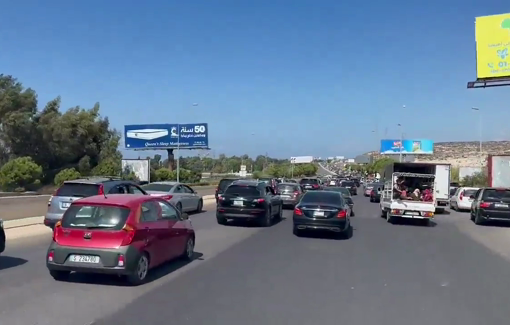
point(408, 147)
point(166, 136)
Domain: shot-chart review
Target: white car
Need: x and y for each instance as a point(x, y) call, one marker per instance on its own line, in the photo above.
point(461, 200)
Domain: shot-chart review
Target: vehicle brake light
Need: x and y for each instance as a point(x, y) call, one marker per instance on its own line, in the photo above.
point(217, 189)
point(396, 211)
point(485, 205)
point(298, 212)
point(342, 214)
point(259, 200)
point(121, 261)
point(51, 256)
point(167, 197)
point(130, 234)
point(296, 193)
point(221, 198)
point(461, 195)
point(101, 189)
point(56, 229)
point(315, 185)
point(372, 192)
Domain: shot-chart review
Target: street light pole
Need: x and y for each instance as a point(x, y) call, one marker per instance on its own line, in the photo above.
point(178, 147)
point(401, 141)
point(479, 126)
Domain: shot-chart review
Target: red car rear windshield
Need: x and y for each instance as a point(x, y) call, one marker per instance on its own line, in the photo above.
point(95, 217)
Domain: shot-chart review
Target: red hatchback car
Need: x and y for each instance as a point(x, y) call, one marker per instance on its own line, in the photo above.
point(119, 234)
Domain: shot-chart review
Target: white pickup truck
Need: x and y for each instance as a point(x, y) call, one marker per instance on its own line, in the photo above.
point(435, 177)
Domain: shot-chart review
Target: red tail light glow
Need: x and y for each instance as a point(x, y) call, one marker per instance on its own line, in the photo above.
point(121, 261)
point(342, 214)
point(56, 229)
point(296, 193)
point(259, 200)
point(130, 234)
point(372, 192)
point(485, 205)
point(217, 189)
point(51, 256)
point(101, 190)
point(167, 197)
point(315, 185)
point(461, 195)
point(298, 212)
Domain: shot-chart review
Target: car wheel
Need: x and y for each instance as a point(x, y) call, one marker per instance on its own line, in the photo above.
point(266, 220)
point(189, 249)
point(139, 275)
point(472, 216)
point(352, 213)
point(179, 206)
point(221, 220)
point(279, 216)
point(347, 234)
point(478, 220)
point(199, 206)
point(389, 218)
point(60, 275)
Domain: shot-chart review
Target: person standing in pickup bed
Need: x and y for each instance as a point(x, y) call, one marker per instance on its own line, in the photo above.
point(398, 188)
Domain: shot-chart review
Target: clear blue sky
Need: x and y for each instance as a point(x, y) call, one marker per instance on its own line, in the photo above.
point(305, 77)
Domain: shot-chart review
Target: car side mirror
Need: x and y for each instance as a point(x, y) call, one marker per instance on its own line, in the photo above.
point(472, 197)
point(184, 216)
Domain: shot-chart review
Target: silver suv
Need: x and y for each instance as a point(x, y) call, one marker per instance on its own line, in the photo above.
point(74, 190)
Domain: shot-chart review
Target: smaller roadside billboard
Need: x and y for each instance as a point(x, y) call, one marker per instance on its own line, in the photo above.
point(407, 147)
point(301, 160)
point(492, 35)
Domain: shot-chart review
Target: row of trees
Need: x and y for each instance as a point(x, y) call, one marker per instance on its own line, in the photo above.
point(48, 146)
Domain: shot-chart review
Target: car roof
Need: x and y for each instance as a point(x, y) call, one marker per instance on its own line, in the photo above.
point(94, 180)
point(287, 183)
point(165, 183)
point(247, 182)
point(115, 199)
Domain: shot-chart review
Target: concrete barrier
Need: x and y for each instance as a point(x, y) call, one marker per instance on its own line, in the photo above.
point(27, 227)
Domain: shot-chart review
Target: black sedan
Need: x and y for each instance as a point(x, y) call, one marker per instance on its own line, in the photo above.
point(250, 201)
point(322, 210)
point(351, 186)
point(2, 236)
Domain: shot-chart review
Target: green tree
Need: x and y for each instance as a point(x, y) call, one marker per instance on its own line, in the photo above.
point(67, 174)
point(20, 174)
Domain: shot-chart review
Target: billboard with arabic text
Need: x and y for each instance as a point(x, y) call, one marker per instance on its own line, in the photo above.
point(492, 36)
point(166, 136)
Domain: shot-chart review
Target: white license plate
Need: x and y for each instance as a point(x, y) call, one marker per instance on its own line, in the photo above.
point(84, 259)
point(66, 205)
point(499, 205)
point(285, 196)
point(412, 213)
point(318, 214)
point(238, 203)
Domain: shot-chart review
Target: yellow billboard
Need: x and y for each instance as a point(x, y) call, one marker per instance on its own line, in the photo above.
point(492, 34)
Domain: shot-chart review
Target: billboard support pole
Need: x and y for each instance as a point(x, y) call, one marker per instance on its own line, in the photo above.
point(401, 143)
point(178, 156)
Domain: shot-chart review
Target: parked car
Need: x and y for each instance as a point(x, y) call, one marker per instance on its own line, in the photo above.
point(310, 184)
point(375, 193)
point(250, 201)
point(290, 193)
point(461, 199)
point(71, 191)
point(351, 186)
point(490, 204)
point(222, 186)
point(2, 236)
point(346, 194)
point(322, 210)
point(119, 234)
point(183, 197)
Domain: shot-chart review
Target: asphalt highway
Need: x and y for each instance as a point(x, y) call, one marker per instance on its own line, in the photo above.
point(34, 206)
point(451, 273)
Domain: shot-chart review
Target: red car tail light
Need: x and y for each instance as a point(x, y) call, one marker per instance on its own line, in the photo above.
point(130, 234)
point(51, 256)
point(372, 193)
point(298, 212)
point(461, 195)
point(484, 205)
point(56, 230)
point(258, 201)
point(296, 193)
point(167, 197)
point(342, 214)
point(315, 186)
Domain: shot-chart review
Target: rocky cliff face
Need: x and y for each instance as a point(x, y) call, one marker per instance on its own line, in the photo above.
point(463, 153)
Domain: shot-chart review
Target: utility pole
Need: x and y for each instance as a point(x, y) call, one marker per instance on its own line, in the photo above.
point(401, 142)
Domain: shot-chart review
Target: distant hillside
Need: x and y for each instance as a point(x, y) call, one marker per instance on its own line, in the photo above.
point(463, 153)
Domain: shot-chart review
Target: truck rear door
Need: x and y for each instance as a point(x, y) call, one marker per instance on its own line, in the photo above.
point(442, 182)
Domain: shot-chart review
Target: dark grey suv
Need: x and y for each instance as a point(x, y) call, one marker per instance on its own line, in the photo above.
point(74, 190)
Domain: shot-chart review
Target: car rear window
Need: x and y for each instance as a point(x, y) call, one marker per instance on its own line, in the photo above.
point(224, 183)
point(496, 195)
point(95, 217)
point(322, 197)
point(309, 181)
point(158, 187)
point(286, 187)
point(469, 192)
point(452, 191)
point(242, 190)
point(78, 190)
point(347, 183)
